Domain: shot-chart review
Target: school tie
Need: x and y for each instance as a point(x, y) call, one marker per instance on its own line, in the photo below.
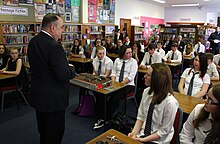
point(198, 49)
point(172, 57)
point(190, 88)
point(147, 130)
point(121, 76)
point(150, 60)
point(209, 137)
point(99, 68)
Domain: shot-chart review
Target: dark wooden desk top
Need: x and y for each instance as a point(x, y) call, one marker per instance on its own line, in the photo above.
point(215, 82)
point(187, 103)
point(142, 70)
point(112, 55)
point(172, 63)
point(79, 60)
point(5, 76)
point(114, 86)
point(121, 137)
point(187, 57)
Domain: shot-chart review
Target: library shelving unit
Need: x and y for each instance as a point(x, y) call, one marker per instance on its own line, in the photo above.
point(18, 34)
point(189, 34)
point(71, 32)
point(168, 32)
point(137, 33)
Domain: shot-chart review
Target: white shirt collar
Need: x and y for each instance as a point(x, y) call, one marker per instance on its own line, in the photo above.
point(46, 33)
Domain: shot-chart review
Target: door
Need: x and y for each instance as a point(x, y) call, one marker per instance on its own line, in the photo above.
point(126, 23)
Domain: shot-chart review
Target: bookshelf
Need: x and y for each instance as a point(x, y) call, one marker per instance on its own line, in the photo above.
point(71, 32)
point(137, 33)
point(168, 32)
point(18, 34)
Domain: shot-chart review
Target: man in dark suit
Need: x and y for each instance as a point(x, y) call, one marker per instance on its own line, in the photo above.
point(180, 43)
point(214, 40)
point(50, 73)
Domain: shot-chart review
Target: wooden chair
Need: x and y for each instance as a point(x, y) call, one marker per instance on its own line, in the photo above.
point(177, 126)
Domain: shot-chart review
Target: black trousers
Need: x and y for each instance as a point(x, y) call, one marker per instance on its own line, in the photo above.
point(51, 126)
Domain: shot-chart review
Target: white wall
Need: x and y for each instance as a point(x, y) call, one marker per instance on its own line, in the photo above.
point(136, 8)
point(194, 14)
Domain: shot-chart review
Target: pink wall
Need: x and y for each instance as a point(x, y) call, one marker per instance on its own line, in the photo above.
point(148, 21)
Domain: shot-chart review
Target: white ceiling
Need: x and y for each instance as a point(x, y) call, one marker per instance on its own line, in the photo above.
point(202, 3)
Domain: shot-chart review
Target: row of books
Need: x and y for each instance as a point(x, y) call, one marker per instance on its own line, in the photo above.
point(17, 39)
point(21, 28)
point(70, 37)
point(71, 28)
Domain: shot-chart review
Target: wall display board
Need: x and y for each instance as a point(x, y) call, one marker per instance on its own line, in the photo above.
point(101, 11)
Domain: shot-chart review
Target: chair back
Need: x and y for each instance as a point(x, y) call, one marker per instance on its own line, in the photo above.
point(133, 94)
point(177, 126)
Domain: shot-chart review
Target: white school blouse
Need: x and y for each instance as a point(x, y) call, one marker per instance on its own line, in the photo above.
point(212, 70)
point(177, 56)
point(189, 132)
point(155, 58)
point(163, 116)
point(198, 81)
point(130, 70)
point(107, 64)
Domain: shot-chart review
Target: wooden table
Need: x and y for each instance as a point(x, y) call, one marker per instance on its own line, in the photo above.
point(187, 103)
point(79, 60)
point(115, 86)
point(112, 55)
point(83, 63)
point(215, 82)
point(121, 137)
point(187, 57)
point(173, 64)
point(141, 70)
point(5, 76)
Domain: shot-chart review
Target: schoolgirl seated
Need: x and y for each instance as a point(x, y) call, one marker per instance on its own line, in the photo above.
point(3, 56)
point(212, 69)
point(203, 123)
point(195, 81)
point(158, 107)
point(77, 50)
point(13, 66)
point(97, 43)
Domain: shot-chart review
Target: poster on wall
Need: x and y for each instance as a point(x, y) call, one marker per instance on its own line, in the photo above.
point(100, 3)
point(10, 2)
point(99, 15)
point(75, 13)
point(68, 5)
point(75, 3)
point(112, 12)
point(39, 12)
point(106, 4)
point(60, 7)
point(106, 16)
point(50, 8)
point(92, 7)
point(26, 2)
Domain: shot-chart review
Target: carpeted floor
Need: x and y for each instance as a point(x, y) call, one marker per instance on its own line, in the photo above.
point(19, 126)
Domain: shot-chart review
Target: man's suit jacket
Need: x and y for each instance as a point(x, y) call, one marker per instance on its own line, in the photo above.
point(181, 46)
point(50, 74)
